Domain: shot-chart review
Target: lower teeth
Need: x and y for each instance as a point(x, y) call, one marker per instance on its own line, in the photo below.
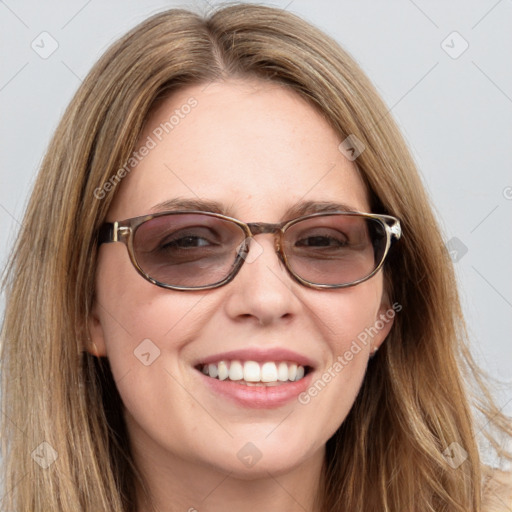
point(265, 384)
point(261, 384)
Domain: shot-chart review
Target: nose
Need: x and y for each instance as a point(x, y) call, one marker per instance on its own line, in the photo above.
point(262, 291)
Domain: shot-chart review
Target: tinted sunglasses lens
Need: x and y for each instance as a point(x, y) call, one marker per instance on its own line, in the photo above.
point(335, 249)
point(190, 250)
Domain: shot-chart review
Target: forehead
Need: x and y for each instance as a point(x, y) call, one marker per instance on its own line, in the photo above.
point(256, 147)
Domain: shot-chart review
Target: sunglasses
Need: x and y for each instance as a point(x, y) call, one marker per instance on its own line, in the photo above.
point(199, 250)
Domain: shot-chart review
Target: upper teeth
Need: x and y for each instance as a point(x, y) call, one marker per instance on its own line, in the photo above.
point(252, 371)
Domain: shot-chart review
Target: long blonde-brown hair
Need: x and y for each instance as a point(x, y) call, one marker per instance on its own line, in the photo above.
point(61, 404)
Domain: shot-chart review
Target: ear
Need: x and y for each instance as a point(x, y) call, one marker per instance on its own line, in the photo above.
point(95, 344)
point(384, 321)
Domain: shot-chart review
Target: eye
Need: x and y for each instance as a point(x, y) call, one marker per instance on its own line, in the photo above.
point(321, 237)
point(189, 241)
point(177, 243)
point(185, 246)
point(320, 241)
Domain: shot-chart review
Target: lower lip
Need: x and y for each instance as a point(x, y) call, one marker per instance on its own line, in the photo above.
point(258, 397)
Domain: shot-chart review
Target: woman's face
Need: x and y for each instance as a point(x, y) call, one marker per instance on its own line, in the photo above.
point(258, 150)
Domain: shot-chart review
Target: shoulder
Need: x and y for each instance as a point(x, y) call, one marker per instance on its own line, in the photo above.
point(496, 490)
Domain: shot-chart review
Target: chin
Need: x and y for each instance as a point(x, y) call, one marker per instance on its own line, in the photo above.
point(261, 469)
point(252, 460)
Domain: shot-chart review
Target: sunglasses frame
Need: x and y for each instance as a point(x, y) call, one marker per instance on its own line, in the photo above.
point(124, 231)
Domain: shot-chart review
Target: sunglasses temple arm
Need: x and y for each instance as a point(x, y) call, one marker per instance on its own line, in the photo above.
point(107, 233)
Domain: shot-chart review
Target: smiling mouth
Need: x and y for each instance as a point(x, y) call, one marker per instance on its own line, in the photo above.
point(253, 373)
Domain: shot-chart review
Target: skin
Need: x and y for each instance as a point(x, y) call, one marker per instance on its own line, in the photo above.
point(257, 148)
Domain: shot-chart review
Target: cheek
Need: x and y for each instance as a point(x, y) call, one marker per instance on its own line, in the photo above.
point(347, 315)
point(136, 318)
point(145, 329)
point(346, 318)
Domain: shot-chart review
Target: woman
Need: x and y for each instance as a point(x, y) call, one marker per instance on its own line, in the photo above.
point(226, 229)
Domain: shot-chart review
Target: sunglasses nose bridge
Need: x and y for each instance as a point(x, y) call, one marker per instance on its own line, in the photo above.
point(262, 228)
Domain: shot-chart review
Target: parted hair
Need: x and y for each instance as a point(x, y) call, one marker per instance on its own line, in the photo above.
point(420, 390)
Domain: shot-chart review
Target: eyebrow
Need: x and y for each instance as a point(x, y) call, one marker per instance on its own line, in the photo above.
point(298, 209)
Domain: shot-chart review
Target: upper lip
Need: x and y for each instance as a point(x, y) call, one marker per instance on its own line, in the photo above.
point(258, 355)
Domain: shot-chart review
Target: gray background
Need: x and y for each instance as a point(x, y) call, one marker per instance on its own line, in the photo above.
point(454, 108)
